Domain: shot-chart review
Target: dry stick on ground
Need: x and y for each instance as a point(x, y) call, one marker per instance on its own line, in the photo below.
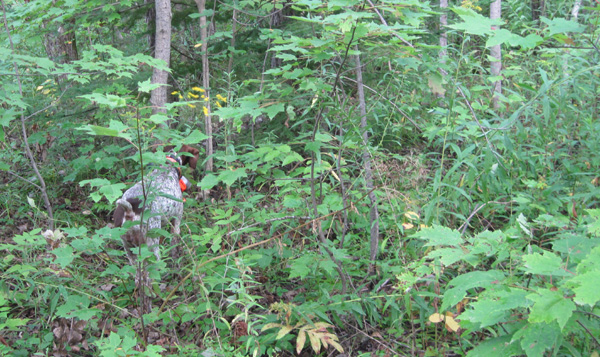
point(277, 236)
point(24, 129)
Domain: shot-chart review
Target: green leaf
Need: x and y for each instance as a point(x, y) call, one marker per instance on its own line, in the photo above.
point(209, 181)
point(561, 26)
point(301, 267)
point(438, 235)
point(547, 264)
point(586, 288)
point(537, 338)
point(549, 306)
point(473, 23)
point(110, 100)
point(495, 306)
point(64, 256)
point(291, 157)
point(496, 346)
point(195, 137)
point(464, 282)
point(147, 86)
point(274, 109)
point(230, 176)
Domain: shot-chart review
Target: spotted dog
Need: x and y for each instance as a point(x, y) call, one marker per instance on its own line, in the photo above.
point(162, 204)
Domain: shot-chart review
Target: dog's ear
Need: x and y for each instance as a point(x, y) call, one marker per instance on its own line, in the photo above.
point(187, 160)
point(118, 216)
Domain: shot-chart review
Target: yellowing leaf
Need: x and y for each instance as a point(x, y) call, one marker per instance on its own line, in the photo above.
point(197, 45)
point(198, 89)
point(205, 110)
point(192, 95)
point(284, 331)
point(452, 324)
point(39, 88)
point(174, 92)
point(435, 318)
point(411, 215)
point(407, 226)
point(335, 175)
point(300, 341)
point(314, 341)
point(270, 325)
point(191, 105)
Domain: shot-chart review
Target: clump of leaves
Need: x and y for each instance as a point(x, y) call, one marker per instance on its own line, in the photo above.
point(317, 332)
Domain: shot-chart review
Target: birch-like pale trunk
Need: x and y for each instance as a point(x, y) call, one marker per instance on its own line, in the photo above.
point(162, 51)
point(443, 32)
point(366, 156)
point(201, 4)
point(575, 9)
point(496, 53)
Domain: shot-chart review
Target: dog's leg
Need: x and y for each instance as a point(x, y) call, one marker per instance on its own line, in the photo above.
point(175, 238)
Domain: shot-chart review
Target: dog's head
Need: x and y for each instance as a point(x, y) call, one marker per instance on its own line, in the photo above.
point(189, 155)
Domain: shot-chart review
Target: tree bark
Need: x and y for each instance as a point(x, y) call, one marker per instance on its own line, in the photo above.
point(158, 96)
point(496, 53)
point(201, 4)
point(443, 32)
point(366, 156)
point(575, 9)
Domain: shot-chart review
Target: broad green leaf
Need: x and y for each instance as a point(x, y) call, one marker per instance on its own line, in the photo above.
point(547, 264)
point(147, 86)
point(291, 157)
point(586, 288)
point(64, 256)
point(560, 26)
point(464, 282)
point(195, 137)
point(496, 346)
point(549, 306)
point(302, 266)
point(495, 306)
point(274, 109)
point(439, 235)
point(209, 181)
point(230, 176)
point(448, 256)
point(473, 23)
point(535, 339)
point(110, 100)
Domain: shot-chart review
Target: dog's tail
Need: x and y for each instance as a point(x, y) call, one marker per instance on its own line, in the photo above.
point(126, 210)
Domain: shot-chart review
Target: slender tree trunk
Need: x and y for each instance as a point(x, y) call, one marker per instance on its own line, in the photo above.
point(150, 24)
point(158, 96)
point(575, 9)
point(374, 214)
point(201, 4)
point(443, 32)
point(232, 44)
point(496, 53)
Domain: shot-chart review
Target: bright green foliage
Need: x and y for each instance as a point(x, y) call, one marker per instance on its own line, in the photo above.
point(489, 217)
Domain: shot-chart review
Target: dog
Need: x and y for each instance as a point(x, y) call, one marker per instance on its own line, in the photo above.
point(159, 202)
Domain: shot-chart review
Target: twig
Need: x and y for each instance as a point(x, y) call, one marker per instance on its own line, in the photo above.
point(24, 179)
point(589, 333)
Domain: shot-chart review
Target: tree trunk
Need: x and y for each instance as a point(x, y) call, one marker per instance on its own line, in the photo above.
point(374, 214)
point(575, 9)
point(201, 4)
point(443, 32)
point(496, 53)
point(61, 46)
point(158, 96)
point(150, 24)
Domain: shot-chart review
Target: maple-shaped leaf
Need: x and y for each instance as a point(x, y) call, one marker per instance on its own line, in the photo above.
point(549, 306)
